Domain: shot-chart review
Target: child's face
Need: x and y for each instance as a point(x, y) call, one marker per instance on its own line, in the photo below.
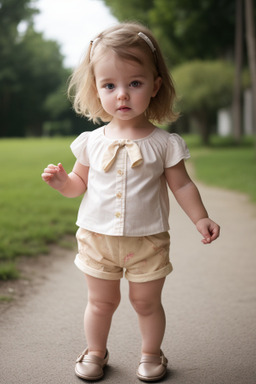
point(124, 87)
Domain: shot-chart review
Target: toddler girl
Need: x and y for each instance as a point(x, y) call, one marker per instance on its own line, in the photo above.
point(123, 169)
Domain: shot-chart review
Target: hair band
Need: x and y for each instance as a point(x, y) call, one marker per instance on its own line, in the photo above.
point(92, 43)
point(148, 41)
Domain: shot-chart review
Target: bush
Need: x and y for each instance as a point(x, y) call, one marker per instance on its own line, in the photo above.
point(203, 87)
point(204, 84)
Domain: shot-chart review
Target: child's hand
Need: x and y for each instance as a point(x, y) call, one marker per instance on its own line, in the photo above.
point(55, 176)
point(209, 229)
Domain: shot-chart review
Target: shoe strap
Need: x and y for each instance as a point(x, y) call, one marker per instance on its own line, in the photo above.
point(84, 357)
point(150, 359)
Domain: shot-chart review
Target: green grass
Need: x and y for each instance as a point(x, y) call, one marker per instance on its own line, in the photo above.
point(9, 271)
point(225, 165)
point(6, 299)
point(33, 215)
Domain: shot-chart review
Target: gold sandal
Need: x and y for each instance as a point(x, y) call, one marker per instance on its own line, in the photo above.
point(152, 368)
point(90, 367)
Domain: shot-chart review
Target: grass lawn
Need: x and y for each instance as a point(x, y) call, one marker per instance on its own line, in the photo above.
point(33, 215)
point(225, 165)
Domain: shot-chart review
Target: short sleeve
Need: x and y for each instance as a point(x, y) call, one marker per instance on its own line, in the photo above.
point(79, 148)
point(176, 150)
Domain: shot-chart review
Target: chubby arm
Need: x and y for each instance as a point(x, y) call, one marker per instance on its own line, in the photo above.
point(70, 185)
point(188, 197)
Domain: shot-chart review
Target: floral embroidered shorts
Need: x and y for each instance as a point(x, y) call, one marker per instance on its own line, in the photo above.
point(107, 257)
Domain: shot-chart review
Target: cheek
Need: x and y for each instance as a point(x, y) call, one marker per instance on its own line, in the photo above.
point(106, 102)
point(100, 96)
point(145, 97)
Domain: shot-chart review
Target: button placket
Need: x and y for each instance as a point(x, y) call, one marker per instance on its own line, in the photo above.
point(120, 191)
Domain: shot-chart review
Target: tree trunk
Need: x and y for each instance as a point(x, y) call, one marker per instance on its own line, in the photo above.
point(251, 49)
point(237, 106)
point(202, 121)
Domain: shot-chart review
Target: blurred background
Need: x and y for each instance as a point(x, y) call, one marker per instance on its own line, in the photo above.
point(210, 49)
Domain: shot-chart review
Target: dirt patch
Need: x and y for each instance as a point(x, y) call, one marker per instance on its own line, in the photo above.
point(33, 273)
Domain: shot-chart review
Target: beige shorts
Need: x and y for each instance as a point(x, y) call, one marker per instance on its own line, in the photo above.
point(106, 257)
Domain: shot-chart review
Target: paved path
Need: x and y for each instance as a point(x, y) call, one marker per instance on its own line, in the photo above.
point(210, 302)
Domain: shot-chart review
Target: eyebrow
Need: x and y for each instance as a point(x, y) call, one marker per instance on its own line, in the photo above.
point(112, 79)
point(106, 80)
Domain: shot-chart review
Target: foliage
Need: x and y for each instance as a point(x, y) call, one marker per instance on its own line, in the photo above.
point(132, 7)
point(12, 12)
point(196, 29)
point(35, 71)
point(186, 29)
point(33, 80)
point(206, 85)
point(61, 118)
point(203, 87)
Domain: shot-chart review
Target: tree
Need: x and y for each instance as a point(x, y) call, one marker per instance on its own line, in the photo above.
point(237, 96)
point(251, 48)
point(200, 94)
point(132, 10)
point(12, 12)
point(61, 118)
point(31, 68)
point(40, 73)
point(36, 72)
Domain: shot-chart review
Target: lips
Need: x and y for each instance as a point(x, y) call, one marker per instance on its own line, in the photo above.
point(124, 108)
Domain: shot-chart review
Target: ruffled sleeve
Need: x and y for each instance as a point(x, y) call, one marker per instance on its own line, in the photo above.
point(79, 148)
point(176, 150)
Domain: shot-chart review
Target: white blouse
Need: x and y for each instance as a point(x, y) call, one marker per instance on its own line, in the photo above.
point(126, 200)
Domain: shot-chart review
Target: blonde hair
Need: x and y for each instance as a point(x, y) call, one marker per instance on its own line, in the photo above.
point(121, 39)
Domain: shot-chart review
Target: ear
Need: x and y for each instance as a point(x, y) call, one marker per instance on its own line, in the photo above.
point(157, 85)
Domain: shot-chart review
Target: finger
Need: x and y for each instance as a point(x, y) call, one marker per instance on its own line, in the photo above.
point(215, 232)
point(214, 236)
point(207, 237)
point(207, 241)
point(61, 168)
point(51, 166)
point(47, 176)
point(51, 170)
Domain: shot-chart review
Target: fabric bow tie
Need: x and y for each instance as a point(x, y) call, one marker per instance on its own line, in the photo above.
point(132, 149)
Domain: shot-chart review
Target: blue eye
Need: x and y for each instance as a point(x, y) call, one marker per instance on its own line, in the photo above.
point(135, 84)
point(109, 86)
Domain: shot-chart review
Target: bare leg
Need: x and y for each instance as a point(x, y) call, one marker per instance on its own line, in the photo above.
point(146, 300)
point(103, 299)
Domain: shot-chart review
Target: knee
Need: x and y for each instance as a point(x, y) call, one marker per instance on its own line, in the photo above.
point(144, 307)
point(104, 308)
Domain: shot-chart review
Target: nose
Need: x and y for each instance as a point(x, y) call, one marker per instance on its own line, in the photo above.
point(122, 94)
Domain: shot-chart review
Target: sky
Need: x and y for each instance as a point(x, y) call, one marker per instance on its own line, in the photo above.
point(73, 23)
